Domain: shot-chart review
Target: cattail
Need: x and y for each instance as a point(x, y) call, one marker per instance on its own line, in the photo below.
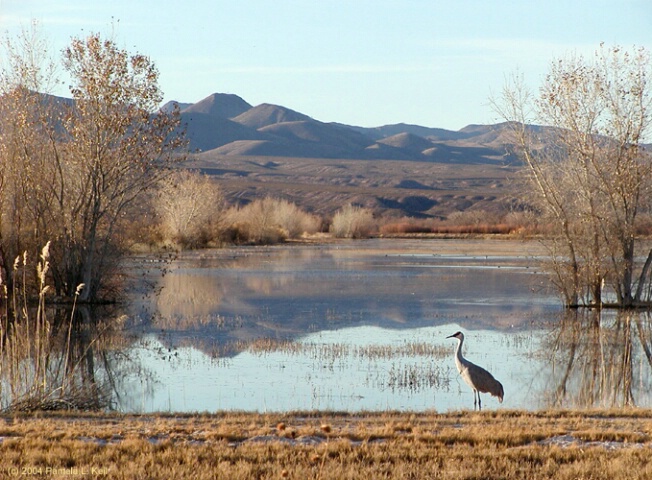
point(43, 268)
point(45, 252)
point(80, 287)
point(43, 271)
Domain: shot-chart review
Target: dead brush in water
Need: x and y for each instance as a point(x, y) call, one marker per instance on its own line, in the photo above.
point(333, 351)
point(416, 377)
point(398, 376)
point(409, 349)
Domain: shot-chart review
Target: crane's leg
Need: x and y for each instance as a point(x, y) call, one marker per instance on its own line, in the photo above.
point(475, 400)
point(479, 402)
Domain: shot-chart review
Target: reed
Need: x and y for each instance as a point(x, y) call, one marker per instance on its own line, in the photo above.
point(37, 368)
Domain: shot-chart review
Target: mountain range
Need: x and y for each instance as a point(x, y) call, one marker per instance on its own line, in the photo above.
point(397, 170)
point(226, 124)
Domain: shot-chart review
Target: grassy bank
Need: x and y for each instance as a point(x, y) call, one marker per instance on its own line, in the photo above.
point(612, 444)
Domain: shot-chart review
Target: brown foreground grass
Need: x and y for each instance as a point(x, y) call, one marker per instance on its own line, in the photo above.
point(614, 444)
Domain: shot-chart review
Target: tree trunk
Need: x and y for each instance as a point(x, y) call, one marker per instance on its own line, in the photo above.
point(642, 279)
point(627, 299)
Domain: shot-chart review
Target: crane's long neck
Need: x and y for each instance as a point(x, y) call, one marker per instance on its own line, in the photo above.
point(460, 361)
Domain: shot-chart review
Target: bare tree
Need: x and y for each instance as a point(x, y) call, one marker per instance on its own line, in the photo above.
point(27, 129)
point(118, 148)
point(70, 170)
point(590, 177)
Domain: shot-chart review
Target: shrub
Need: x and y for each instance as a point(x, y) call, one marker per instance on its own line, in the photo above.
point(522, 222)
point(472, 217)
point(353, 222)
point(190, 208)
point(269, 220)
point(293, 221)
point(408, 225)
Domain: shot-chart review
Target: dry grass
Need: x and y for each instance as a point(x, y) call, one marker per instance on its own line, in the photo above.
point(505, 444)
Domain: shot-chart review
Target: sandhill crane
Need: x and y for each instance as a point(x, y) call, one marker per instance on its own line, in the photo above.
point(476, 377)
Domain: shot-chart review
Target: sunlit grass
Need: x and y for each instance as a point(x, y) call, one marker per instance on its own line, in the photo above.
point(501, 444)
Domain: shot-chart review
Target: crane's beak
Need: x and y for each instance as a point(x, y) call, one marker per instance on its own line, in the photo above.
point(451, 336)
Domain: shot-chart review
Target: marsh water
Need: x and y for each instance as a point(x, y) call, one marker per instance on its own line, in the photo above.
point(362, 325)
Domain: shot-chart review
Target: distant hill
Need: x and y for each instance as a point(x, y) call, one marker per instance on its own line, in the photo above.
point(433, 134)
point(408, 141)
point(169, 106)
point(229, 125)
point(207, 132)
point(267, 114)
point(223, 105)
point(400, 169)
point(332, 141)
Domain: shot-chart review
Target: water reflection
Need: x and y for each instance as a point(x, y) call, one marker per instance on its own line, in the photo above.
point(286, 292)
point(215, 308)
point(600, 359)
point(358, 326)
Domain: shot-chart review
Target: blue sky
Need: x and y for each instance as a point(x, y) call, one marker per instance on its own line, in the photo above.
point(360, 62)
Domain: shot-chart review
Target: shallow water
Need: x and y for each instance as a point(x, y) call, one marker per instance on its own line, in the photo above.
point(362, 325)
